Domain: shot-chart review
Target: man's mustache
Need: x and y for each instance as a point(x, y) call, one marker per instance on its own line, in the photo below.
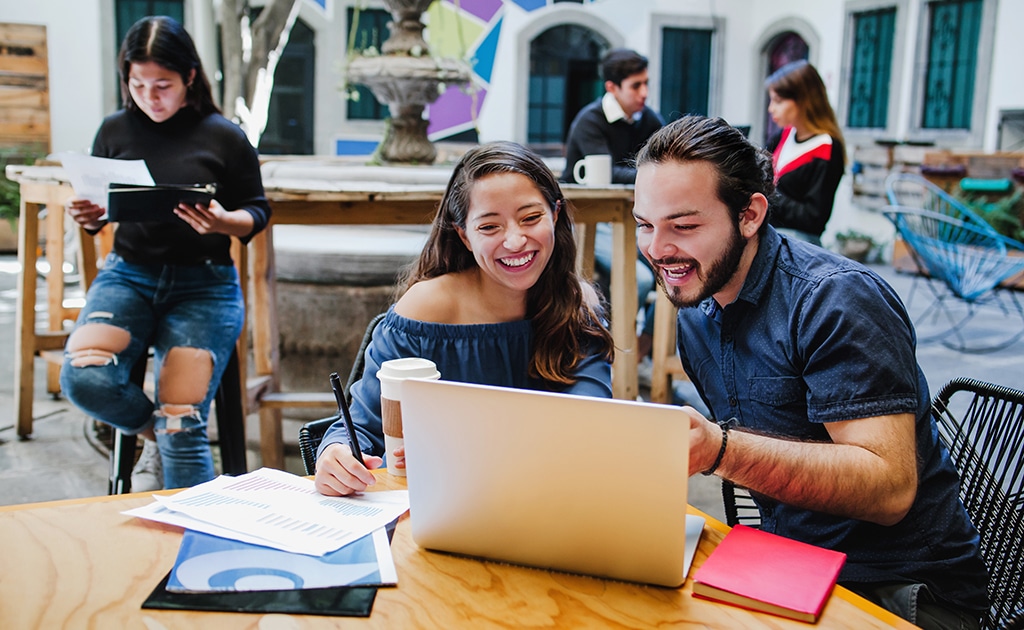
point(668, 262)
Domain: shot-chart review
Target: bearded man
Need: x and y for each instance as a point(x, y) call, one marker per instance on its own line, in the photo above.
point(807, 362)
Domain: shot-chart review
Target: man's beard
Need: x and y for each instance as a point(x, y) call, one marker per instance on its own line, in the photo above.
point(719, 273)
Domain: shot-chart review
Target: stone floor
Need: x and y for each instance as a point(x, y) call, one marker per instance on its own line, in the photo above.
point(65, 459)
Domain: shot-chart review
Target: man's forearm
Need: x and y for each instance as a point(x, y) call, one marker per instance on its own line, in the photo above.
point(849, 480)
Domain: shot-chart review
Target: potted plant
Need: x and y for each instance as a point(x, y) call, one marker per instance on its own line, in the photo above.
point(855, 245)
point(10, 194)
point(10, 208)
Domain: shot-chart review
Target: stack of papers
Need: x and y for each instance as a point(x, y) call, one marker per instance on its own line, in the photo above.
point(271, 530)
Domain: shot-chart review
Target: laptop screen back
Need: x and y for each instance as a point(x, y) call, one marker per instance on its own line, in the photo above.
point(584, 485)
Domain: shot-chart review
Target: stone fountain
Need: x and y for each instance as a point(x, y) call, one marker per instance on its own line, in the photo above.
point(407, 78)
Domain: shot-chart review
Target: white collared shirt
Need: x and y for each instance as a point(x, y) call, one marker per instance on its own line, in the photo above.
point(613, 111)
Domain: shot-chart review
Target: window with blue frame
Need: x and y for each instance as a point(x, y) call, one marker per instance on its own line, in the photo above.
point(546, 104)
point(564, 77)
point(953, 31)
point(871, 69)
point(371, 30)
point(128, 12)
point(685, 72)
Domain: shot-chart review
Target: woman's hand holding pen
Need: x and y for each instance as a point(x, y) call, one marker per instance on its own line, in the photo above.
point(214, 219)
point(339, 474)
point(85, 213)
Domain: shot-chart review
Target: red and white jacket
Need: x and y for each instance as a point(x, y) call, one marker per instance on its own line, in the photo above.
point(807, 174)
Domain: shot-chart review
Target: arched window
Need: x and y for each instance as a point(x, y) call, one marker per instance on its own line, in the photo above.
point(783, 49)
point(565, 75)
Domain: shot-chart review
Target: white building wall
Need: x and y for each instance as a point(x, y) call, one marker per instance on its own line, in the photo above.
point(83, 74)
point(76, 79)
point(1007, 86)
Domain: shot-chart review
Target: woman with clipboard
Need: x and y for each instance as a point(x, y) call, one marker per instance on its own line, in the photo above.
point(167, 285)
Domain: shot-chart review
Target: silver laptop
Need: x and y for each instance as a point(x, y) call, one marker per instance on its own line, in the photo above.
point(555, 481)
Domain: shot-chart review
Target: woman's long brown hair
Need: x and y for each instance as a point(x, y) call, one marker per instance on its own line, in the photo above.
point(800, 82)
point(566, 328)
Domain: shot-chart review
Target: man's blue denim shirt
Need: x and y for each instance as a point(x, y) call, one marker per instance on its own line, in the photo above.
point(816, 338)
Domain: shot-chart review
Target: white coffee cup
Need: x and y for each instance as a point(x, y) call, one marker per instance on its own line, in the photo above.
point(597, 170)
point(391, 375)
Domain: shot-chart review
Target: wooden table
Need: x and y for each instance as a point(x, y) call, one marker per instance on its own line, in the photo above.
point(81, 563)
point(315, 201)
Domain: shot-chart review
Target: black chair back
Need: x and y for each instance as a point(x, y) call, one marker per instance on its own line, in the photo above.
point(740, 508)
point(312, 433)
point(982, 425)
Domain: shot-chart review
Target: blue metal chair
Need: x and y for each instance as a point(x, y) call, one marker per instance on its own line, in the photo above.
point(911, 190)
point(966, 262)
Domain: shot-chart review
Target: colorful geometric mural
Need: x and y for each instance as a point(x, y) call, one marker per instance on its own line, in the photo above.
point(466, 29)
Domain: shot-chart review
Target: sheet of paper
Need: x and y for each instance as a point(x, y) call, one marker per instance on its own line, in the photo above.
point(277, 509)
point(91, 176)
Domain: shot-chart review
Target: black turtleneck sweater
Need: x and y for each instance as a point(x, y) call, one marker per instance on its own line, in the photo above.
point(186, 149)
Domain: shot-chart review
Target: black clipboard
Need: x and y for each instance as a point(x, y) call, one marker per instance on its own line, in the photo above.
point(134, 203)
point(344, 601)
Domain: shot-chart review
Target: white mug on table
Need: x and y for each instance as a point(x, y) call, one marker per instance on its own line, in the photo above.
point(597, 170)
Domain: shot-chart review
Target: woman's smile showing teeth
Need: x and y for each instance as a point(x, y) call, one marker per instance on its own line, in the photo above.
point(518, 261)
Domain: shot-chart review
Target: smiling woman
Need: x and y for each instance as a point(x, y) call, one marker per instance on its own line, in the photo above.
point(494, 299)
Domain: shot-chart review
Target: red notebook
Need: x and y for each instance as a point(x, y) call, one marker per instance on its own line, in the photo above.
point(769, 573)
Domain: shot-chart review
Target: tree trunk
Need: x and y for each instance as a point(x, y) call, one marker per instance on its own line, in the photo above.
point(249, 73)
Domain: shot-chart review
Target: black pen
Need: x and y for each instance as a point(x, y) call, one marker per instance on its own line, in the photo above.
point(353, 441)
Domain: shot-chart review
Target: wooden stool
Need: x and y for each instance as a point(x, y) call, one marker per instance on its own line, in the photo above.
point(665, 363)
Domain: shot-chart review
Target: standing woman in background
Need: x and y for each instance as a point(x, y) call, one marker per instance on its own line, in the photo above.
point(173, 285)
point(808, 154)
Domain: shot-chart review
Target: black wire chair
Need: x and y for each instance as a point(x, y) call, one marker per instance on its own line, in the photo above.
point(982, 425)
point(740, 508)
point(312, 432)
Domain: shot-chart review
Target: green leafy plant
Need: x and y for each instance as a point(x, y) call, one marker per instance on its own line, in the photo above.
point(10, 194)
point(855, 245)
point(1003, 214)
point(854, 235)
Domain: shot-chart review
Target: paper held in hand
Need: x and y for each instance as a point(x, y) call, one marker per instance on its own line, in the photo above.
point(91, 176)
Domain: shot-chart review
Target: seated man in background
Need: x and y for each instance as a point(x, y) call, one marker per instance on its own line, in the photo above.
point(617, 124)
point(807, 361)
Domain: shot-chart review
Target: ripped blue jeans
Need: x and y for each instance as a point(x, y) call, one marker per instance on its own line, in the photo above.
point(194, 307)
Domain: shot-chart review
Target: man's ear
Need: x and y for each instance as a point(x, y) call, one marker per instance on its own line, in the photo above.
point(755, 214)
